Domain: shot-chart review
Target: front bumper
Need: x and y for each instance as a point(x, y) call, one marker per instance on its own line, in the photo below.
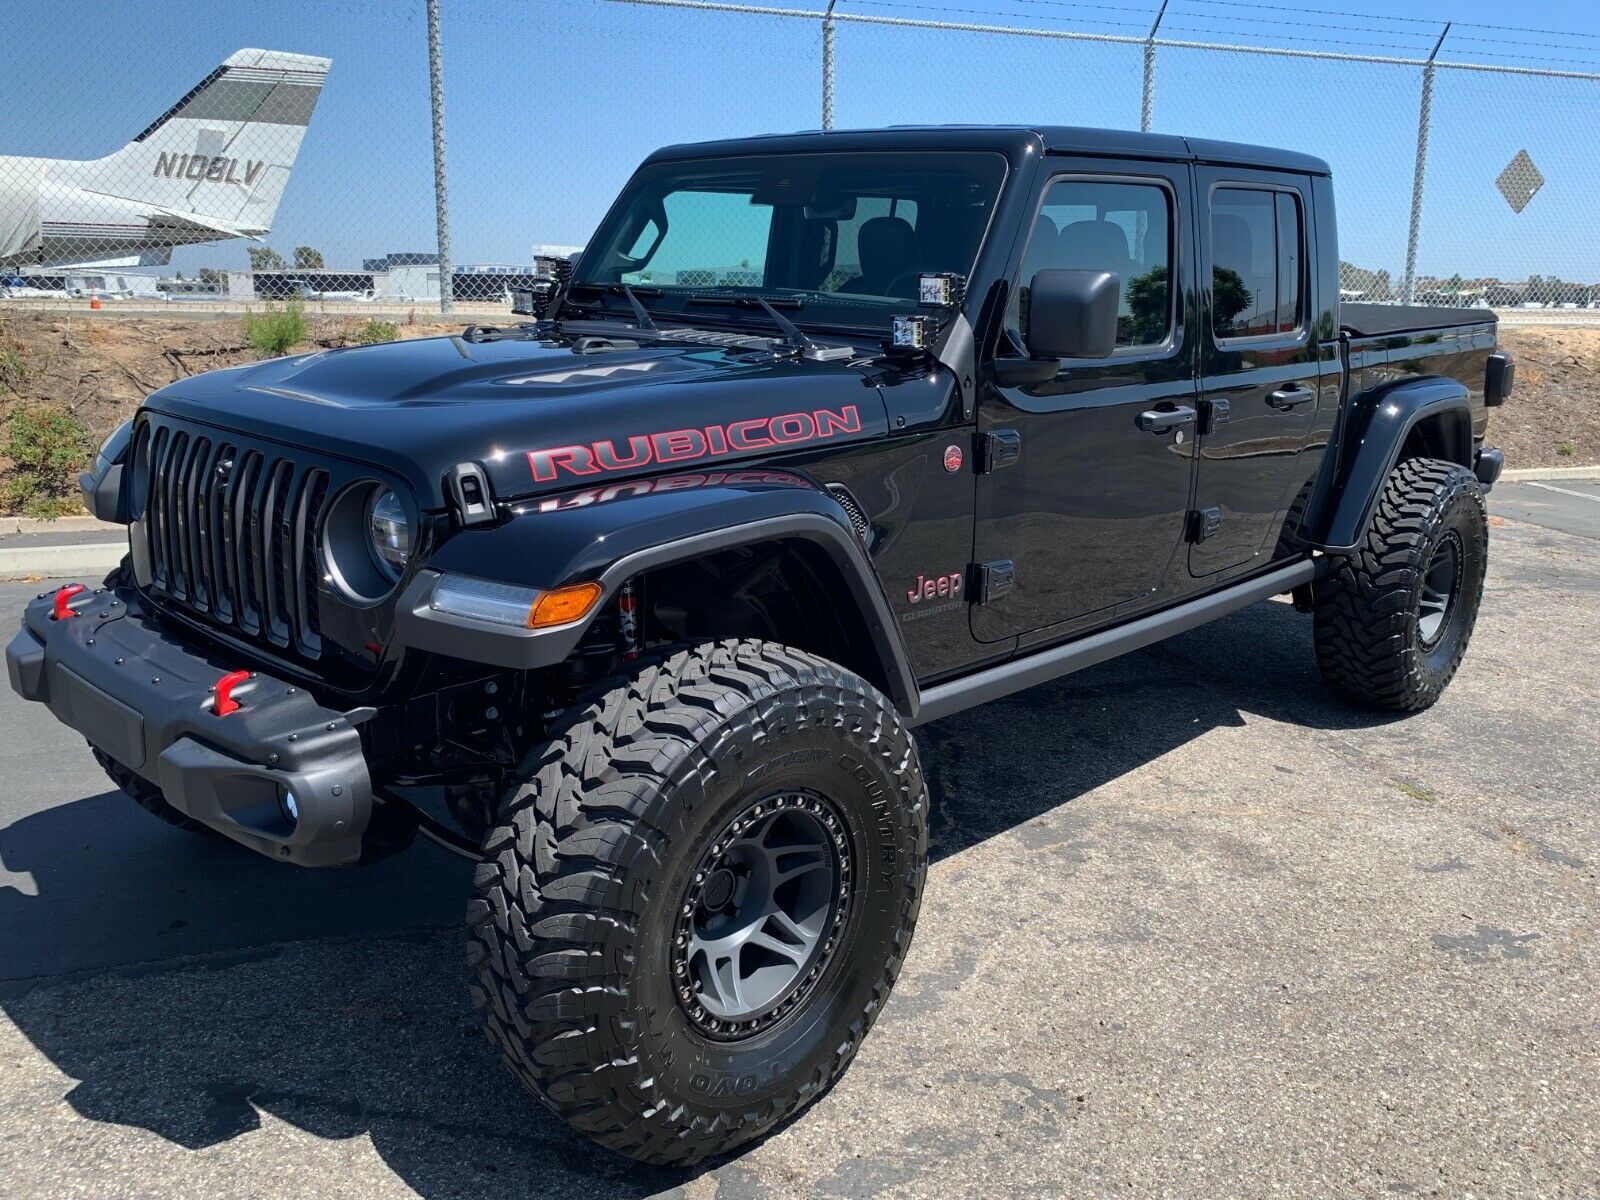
point(145, 698)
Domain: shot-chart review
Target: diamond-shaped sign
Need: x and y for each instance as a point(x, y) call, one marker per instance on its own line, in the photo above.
point(1520, 181)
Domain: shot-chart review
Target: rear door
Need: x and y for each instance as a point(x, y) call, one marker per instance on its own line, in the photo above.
point(1086, 481)
point(1260, 385)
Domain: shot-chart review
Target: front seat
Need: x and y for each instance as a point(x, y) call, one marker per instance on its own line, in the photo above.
point(1095, 246)
point(890, 258)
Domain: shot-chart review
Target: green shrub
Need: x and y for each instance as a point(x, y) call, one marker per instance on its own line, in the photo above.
point(376, 331)
point(13, 371)
point(47, 448)
point(278, 330)
point(1566, 449)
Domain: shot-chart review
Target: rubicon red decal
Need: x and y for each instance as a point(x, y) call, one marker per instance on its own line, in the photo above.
point(686, 445)
point(626, 488)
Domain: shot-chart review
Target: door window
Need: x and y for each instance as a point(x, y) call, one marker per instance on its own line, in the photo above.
point(1257, 261)
point(1125, 228)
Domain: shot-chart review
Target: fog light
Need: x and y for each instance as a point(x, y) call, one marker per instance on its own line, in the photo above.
point(291, 810)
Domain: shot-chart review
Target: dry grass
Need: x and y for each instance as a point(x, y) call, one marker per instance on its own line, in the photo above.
point(1553, 416)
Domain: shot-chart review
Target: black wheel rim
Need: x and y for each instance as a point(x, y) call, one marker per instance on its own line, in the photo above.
point(1441, 581)
point(762, 915)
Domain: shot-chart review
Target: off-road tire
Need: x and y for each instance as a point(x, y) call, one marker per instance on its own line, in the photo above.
point(1368, 610)
point(145, 794)
point(572, 923)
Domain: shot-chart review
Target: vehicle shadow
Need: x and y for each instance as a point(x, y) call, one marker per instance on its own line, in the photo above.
point(993, 768)
point(349, 1027)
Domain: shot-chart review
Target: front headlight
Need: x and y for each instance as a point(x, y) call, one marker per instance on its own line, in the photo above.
point(367, 539)
point(389, 530)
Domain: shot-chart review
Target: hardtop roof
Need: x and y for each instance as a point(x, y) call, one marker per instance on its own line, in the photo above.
point(1012, 140)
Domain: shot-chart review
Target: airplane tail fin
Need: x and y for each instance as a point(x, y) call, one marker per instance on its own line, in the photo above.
point(220, 157)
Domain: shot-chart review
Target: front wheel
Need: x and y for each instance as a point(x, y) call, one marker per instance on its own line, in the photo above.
point(144, 793)
point(699, 897)
point(1394, 618)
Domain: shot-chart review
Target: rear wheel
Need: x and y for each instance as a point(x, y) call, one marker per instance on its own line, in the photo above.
point(699, 897)
point(1394, 619)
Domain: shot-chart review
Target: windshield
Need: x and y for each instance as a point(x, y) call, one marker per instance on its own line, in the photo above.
point(842, 235)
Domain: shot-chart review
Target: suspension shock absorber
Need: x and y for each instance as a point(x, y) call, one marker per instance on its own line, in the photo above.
point(628, 619)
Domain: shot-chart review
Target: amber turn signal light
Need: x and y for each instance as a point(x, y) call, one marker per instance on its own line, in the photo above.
point(563, 605)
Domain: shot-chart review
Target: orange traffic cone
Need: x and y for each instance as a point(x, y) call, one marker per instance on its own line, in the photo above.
point(94, 298)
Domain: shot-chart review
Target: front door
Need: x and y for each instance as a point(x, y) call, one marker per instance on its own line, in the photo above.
point(1260, 380)
point(1087, 476)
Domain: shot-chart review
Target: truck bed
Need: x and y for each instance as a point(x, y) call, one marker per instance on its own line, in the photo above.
point(1384, 343)
point(1379, 320)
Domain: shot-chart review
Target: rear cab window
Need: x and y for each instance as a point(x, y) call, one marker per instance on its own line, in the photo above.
point(1257, 263)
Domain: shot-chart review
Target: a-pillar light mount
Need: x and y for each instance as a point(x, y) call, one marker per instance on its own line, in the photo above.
point(918, 333)
point(943, 289)
point(913, 334)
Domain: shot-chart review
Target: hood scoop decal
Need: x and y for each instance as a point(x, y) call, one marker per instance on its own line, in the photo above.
point(599, 372)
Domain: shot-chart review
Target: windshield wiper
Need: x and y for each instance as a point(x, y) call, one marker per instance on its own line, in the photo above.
point(793, 335)
point(641, 314)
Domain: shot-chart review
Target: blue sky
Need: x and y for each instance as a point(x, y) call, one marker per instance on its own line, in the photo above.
point(551, 103)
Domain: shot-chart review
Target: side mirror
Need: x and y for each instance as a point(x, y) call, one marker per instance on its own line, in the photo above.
point(1072, 314)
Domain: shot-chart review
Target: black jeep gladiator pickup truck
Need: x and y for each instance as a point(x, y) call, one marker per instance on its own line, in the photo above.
point(826, 436)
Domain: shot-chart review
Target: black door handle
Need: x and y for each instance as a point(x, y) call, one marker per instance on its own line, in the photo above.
point(1156, 420)
point(1285, 399)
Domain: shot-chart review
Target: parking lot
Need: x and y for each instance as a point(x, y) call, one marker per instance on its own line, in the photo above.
point(1193, 928)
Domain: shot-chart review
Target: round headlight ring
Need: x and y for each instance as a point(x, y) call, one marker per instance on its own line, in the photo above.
point(368, 535)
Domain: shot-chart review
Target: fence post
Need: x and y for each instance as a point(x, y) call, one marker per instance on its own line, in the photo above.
point(441, 191)
point(1408, 288)
point(1147, 100)
point(827, 66)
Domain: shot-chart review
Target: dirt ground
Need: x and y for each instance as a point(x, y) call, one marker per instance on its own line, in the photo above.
point(99, 366)
point(1552, 418)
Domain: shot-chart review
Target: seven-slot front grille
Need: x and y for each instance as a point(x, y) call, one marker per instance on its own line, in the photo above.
point(230, 529)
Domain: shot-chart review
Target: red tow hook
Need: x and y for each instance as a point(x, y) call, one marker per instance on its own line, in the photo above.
point(63, 604)
point(222, 701)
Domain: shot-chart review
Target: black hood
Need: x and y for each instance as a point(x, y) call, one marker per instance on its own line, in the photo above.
point(540, 415)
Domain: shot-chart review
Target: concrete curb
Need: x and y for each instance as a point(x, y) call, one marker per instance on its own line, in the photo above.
point(1551, 473)
point(15, 525)
point(88, 562)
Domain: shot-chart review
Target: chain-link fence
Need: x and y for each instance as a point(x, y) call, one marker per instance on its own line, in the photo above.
point(303, 164)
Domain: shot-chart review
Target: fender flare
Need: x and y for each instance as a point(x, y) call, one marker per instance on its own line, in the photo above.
point(1393, 413)
point(610, 535)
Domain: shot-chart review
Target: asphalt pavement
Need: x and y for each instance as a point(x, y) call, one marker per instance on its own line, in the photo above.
point(1193, 928)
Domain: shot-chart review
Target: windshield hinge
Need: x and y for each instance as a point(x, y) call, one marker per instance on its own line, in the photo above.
point(468, 487)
